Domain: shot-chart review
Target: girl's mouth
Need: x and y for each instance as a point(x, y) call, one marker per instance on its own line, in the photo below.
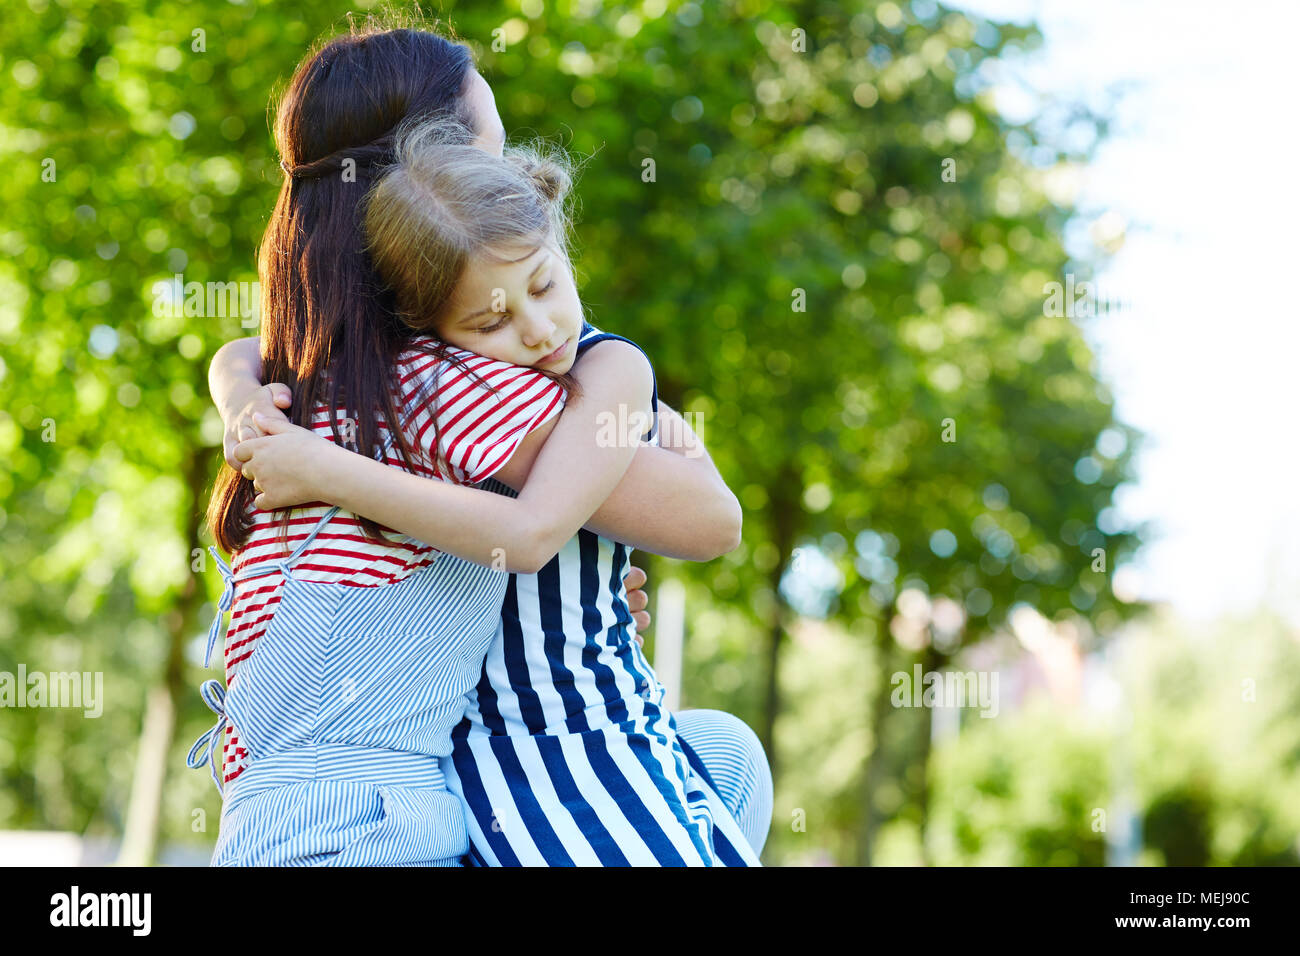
point(554, 356)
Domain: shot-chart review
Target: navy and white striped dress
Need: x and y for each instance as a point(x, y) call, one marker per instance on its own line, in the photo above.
point(567, 754)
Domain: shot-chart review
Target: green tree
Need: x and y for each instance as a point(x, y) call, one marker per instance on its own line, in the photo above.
point(140, 152)
point(765, 208)
point(839, 264)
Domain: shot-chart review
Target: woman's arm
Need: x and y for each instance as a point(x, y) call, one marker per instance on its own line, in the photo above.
point(672, 500)
point(235, 383)
point(573, 473)
point(673, 496)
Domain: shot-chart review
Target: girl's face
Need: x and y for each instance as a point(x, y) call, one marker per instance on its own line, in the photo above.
point(524, 312)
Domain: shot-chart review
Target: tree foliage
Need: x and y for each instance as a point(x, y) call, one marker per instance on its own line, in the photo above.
point(809, 214)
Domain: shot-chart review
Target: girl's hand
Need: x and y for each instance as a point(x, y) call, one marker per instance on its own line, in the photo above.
point(637, 600)
point(267, 400)
point(285, 465)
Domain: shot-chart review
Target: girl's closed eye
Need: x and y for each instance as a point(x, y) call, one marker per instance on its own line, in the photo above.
point(505, 318)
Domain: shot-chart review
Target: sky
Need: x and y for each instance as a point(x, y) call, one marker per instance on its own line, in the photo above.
point(1200, 170)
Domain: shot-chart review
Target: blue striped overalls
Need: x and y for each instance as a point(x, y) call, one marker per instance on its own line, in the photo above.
point(345, 707)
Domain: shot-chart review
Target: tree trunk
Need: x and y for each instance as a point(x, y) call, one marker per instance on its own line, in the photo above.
point(877, 761)
point(772, 692)
point(139, 841)
point(784, 500)
point(164, 702)
point(931, 661)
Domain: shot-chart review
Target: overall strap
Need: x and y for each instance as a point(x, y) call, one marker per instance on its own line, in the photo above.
point(288, 562)
point(206, 748)
point(229, 578)
point(209, 743)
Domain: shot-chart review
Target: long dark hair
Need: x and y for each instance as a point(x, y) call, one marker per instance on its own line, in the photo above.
point(329, 327)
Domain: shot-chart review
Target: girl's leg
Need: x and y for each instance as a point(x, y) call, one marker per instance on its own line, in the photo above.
point(734, 758)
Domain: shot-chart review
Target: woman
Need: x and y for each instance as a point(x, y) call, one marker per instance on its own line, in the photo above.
point(398, 70)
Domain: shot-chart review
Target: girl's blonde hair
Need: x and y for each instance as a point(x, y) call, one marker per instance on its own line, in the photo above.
point(446, 200)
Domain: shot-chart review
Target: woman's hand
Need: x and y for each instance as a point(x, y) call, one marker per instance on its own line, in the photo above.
point(266, 400)
point(637, 600)
point(287, 465)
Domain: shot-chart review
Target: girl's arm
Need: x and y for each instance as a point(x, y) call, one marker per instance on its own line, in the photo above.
point(235, 371)
point(573, 473)
point(234, 380)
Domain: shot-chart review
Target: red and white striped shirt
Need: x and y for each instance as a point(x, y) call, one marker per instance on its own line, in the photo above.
point(478, 432)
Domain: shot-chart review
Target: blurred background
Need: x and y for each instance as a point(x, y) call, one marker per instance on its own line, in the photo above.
point(980, 307)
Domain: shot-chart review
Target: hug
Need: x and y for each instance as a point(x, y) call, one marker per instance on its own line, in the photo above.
point(432, 655)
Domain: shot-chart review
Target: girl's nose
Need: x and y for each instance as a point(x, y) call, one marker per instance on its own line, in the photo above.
point(537, 330)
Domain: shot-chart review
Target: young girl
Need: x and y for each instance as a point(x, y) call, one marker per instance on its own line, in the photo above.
point(566, 754)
